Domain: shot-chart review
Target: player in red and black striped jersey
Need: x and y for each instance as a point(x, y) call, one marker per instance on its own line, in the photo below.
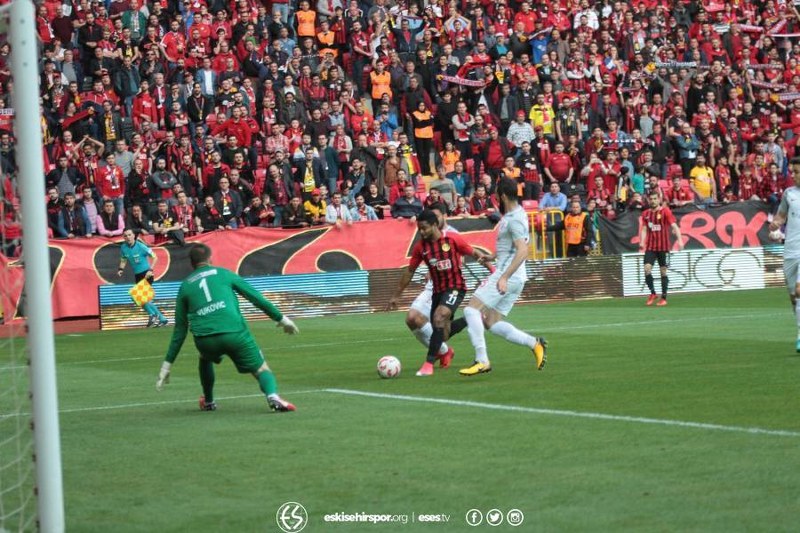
point(657, 222)
point(443, 255)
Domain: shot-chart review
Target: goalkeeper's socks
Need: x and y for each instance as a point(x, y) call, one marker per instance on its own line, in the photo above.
point(206, 369)
point(267, 382)
point(664, 286)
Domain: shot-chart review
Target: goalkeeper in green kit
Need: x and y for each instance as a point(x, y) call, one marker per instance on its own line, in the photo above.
point(207, 304)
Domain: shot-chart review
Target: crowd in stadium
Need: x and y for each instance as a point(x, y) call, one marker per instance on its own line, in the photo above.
point(181, 117)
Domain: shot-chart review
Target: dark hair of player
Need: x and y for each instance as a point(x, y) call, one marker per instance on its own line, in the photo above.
point(199, 254)
point(508, 188)
point(795, 161)
point(438, 206)
point(429, 217)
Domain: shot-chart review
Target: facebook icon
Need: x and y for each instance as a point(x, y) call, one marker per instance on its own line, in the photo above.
point(474, 517)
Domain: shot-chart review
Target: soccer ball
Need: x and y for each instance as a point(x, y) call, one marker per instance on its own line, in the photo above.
point(389, 367)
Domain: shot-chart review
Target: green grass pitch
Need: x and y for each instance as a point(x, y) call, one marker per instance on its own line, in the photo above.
point(708, 364)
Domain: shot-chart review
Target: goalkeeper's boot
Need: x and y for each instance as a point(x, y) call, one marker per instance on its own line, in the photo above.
point(797, 346)
point(651, 300)
point(151, 322)
point(425, 370)
point(278, 404)
point(540, 352)
point(476, 368)
point(207, 406)
point(446, 358)
point(662, 302)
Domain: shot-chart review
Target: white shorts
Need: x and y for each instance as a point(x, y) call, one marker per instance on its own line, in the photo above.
point(790, 272)
point(502, 303)
point(423, 301)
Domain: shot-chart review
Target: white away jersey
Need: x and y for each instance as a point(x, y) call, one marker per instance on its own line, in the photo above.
point(513, 226)
point(790, 208)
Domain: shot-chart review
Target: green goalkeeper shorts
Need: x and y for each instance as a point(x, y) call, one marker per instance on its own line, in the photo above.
point(241, 347)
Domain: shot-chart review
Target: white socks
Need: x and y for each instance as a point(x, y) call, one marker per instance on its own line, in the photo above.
point(476, 333)
point(510, 333)
point(423, 335)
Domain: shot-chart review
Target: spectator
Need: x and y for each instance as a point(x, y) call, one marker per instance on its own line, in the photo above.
point(677, 195)
point(294, 216)
point(109, 221)
point(72, 220)
point(555, 199)
point(64, 178)
point(209, 218)
point(138, 222)
point(375, 200)
point(260, 213)
point(445, 187)
point(166, 226)
point(110, 183)
point(315, 208)
point(361, 211)
point(461, 180)
point(407, 206)
point(702, 182)
point(482, 205)
point(229, 204)
point(336, 213)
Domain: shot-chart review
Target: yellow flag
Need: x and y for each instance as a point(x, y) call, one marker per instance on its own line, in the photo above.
point(142, 293)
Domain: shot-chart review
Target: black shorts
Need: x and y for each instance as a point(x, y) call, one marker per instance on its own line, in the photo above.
point(651, 257)
point(142, 275)
point(451, 299)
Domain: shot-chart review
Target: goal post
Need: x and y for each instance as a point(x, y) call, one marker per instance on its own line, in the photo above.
point(40, 342)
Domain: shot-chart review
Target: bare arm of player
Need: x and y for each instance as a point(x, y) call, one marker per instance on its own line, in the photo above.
point(520, 254)
point(405, 279)
point(678, 237)
point(643, 237)
point(777, 221)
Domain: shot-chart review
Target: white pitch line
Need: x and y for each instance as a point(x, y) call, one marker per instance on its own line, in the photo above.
point(576, 414)
point(149, 404)
point(392, 339)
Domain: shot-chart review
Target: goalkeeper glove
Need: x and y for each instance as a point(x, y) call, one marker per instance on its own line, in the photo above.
point(163, 375)
point(288, 326)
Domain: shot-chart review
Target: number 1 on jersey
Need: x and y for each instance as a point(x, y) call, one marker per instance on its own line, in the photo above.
point(204, 286)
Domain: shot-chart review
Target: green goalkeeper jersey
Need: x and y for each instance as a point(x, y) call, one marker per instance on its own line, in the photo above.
point(207, 304)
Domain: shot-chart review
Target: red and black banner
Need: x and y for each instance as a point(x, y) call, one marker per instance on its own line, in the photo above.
point(728, 226)
point(80, 266)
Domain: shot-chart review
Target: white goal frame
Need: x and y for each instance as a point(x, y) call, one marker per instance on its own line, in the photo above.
point(40, 341)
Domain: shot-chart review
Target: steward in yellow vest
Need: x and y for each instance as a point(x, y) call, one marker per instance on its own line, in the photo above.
point(578, 232)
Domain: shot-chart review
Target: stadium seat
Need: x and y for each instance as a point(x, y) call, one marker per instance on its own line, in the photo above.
point(530, 205)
